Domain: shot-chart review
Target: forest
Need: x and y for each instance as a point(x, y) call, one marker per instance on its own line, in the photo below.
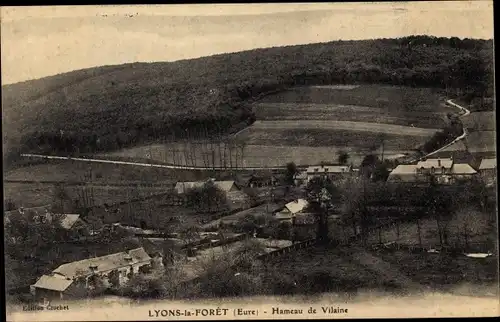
point(113, 107)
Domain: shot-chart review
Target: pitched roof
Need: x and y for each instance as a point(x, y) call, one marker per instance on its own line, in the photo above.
point(68, 220)
point(296, 205)
point(404, 169)
point(54, 283)
point(463, 168)
point(436, 163)
point(103, 263)
point(328, 168)
point(488, 164)
point(181, 187)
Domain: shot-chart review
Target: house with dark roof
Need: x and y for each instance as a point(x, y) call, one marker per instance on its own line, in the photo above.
point(75, 279)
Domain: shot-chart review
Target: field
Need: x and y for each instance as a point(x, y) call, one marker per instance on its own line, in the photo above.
point(479, 142)
point(338, 112)
point(458, 275)
point(480, 121)
point(308, 125)
point(363, 136)
point(40, 194)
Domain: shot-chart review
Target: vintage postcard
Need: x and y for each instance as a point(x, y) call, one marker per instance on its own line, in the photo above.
point(249, 161)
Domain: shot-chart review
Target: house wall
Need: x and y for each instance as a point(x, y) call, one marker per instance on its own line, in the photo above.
point(41, 293)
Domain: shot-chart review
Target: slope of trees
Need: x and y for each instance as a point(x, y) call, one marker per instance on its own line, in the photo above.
point(124, 105)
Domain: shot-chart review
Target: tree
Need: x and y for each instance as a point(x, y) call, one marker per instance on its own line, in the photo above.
point(343, 157)
point(438, 203)
point(290, 172)
point(207, 198)
point(321, 195)
point(368, 165)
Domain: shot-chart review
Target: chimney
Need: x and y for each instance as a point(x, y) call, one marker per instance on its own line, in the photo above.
point(439, 162)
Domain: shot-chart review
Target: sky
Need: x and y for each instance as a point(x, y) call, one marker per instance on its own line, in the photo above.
point(43, 41)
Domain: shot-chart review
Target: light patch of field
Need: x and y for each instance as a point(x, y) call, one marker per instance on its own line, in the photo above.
point(481, 141)
point(480, 121)
point(339, 87)
point(343, 125)
point(311, 111)
point(258, 155)
point(363, 141)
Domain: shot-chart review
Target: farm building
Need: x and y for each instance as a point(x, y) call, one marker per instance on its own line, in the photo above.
point(299, 178)
point(77, 278)
point(257, 181)
point(291, 209)
point(328, 171)
point(488, 170)
point(444, 170)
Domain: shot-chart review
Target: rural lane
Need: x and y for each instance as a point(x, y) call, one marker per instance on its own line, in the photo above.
point(458, 138)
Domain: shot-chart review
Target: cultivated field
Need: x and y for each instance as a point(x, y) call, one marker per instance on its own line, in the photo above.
point(308, 125)
point(480, 121)
point(390, 98)
point(39, 194)
point(339, 112)
point(479, 142)
point(77, 171)
point(364, 136)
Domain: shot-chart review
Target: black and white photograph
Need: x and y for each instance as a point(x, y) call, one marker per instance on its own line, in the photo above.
point(249, 161)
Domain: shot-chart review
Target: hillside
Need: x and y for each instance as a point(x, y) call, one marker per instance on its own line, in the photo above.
point(111, 107)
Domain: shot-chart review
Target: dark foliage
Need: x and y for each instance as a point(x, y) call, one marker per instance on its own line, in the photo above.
point(120, 106)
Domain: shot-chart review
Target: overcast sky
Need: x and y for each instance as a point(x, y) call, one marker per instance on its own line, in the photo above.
point(43, 41)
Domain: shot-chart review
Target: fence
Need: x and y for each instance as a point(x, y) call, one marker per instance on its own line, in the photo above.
point(289, 249)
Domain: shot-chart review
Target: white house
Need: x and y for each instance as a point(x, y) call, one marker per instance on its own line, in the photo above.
point(444, 170)
point(328, 171)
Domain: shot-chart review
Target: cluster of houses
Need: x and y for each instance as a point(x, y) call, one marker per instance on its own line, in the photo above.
point(71, 279)
point(444, 170)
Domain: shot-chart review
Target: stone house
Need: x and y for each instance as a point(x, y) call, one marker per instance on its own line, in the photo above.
point(76, 279)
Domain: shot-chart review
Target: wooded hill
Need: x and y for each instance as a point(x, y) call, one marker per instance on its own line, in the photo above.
point(111, 107)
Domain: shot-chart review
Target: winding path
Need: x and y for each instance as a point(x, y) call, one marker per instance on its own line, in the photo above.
point(458, 138)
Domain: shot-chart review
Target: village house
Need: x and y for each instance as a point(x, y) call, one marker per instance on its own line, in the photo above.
point(300, 178)
point(76, 279)
point(444, 170)
point(328, 171)
point(488, 171)
point(291, 210)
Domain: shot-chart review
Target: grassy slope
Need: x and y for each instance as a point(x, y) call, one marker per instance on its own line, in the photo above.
point(134, 102)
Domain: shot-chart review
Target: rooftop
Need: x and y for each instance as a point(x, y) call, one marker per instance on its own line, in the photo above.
point(488, 164)
point(54, 283)
point(463, 168)
point(296, 205)
point(103, 263)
